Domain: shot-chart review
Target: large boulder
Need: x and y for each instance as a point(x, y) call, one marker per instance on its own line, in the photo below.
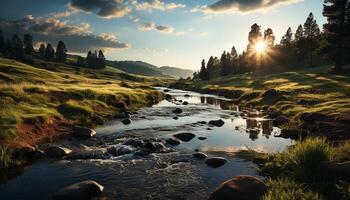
point(185, 137)
point(240, 188)
point(57, 152)
point(200, 155)
point(82, 190)
point(215, 162)
point(177, 111)
point(280, 120)
point(173, 141)
point(217, 123)
point(83, 132)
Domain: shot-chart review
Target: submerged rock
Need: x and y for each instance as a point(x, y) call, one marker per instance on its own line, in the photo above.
point(82, 132)
point(185, 137)
point(126, 121)
point(57, 152)
point(185, 103)
point(240, 188)
point(215, 162)
point(202, 138)
point(176, 118)
point(173, 141)
point(177, 111)
point(200, 155)
point(184, 160)
point(133, 142)
point(119, 150)
point(217, 123)
point(82, 190)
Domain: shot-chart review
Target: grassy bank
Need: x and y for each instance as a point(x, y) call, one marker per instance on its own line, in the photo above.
point(38, 102)
point(300, 90)
point(297, 173)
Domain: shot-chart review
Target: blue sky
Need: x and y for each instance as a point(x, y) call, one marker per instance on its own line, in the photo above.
point(165, 33)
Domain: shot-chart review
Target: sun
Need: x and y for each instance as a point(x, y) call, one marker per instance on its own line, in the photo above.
point(260, 47)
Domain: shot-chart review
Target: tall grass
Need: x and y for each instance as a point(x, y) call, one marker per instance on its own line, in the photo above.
point(5, 157)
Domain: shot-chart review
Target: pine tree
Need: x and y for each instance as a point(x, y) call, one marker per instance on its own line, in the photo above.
point(101, 60)
point(89, 59)
point(269, 38)
point(17, 47)
point(9, 46)
point(28, 43)
point(203, 74)
point(254, 37)
point(337, 31)
point(2, 41)
point(234, 60)
point(80, 61)
point(42, 50)
point(61, 52)
point(300, 43)
point(311, 33)
point(49, 52)
point(287, 38)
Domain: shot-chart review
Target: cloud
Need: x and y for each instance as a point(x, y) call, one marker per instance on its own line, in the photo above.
point(78, 39)
point(105, 8)
point(241, 6)
point(150, 26)
point(150, 5)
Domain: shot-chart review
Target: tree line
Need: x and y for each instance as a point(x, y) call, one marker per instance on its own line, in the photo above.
point(24, 50)
point(308, 42)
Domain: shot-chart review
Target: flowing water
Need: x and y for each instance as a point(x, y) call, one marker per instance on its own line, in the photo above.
point(170, 174)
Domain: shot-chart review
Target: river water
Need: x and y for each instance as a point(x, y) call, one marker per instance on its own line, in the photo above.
point(158, 175)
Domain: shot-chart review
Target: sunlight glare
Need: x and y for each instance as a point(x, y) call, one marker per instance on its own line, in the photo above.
point(260, 47)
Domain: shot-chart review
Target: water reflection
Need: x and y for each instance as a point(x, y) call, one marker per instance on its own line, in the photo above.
point(255, 126)
point(219, 103)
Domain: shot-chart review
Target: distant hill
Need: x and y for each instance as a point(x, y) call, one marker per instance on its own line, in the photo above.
point(146, 69)
point(175, 71)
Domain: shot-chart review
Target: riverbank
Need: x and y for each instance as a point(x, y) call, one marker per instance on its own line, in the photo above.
point(292, 94)
point(41, 103)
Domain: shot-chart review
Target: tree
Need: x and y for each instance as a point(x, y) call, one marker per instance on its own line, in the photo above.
point(28, 43)
point(17, 46)
point(311, 33)
point(8, 45)
point(61, 52)
point(269, 38)
point(49, 52)
point(203, 74)
point(42, 50)
point(254, 37)
point(80, 61)
point(337, 30)
point(101, 60)
point(2, 41)
point(287, 38)
point(234, 60)
point(300, 43)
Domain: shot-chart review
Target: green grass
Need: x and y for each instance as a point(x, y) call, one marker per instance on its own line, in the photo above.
point(294, 173)
point(303, 90)
point(34, 93)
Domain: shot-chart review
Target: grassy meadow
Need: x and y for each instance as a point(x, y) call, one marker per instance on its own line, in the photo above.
point(53, 91)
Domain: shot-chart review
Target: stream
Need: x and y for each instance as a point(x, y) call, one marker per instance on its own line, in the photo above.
point(172, 173)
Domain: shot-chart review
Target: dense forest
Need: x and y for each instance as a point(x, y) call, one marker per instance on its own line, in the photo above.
point(307, 45)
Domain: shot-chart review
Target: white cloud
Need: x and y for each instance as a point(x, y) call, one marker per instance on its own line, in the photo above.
point(150, 5)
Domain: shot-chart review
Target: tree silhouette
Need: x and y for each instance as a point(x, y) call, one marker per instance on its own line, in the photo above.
point(300, 42)
point(269, 38)
point(203, 74)
point(101, 60)
point(287, 38)
point(254, 37)
point(80, 61)
point(49, 52)
point(17, 47)
point(2, 41)
point(42, 50)
point(9, 45)
point(61, 52)
point(28, 43)
point(337, 31)
point(311, 33)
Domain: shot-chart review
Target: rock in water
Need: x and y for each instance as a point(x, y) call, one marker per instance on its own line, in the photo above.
point(177, 111)
point(202, 138)
point(215, 162)
point(82, 190)
point(200, 155)
point(57, 152)
point(83, 132)
point(217, 123)
point(185, 137)
point(119, 150)
point(173, 141)
point(126, 121)
point(240, 188)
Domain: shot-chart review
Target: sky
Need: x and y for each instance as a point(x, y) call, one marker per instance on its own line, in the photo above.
point(176, 33)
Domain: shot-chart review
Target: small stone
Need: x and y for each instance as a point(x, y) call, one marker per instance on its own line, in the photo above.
point(202, 138)
point(215, 162)
point(82, 190)
point(200, 155)
point(177, 111)
point(185, 136)
point(126, 121)
point(57, 152)
point(217, 123)
point(83, 132)
point(173, 141)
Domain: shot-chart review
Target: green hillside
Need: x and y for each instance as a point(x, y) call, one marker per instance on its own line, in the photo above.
point(176, 72)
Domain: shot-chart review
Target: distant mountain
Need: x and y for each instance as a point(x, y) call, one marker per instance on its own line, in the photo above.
point(177, 72)
point(146, 69)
